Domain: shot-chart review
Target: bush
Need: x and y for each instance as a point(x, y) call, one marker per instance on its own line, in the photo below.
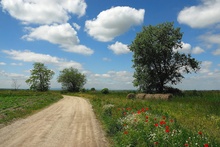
point(92, 89)
point(105, 91)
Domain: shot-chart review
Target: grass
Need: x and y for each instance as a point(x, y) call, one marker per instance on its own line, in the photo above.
point(192, 119)
point(17, 104)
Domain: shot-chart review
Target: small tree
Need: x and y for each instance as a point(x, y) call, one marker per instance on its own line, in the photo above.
point(156, 59)
point(105, 91)
point(15, 85)
point(40, 77)
point(71, 79)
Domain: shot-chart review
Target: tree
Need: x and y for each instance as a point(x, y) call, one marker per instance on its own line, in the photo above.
point(40, 77)
point(156, 59)
point(15, 85)
point(71, 79)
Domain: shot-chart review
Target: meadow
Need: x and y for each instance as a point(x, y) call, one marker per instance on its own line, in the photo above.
point(21, 103)
point(190, 119)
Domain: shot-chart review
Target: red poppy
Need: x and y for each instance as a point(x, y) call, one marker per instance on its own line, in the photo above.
point(200, 133)
point(146, 120)
point(156, 143)
point(147, 117)
point(125, 132)
point(124, 113)
point(206, 145)
point(155, 119)
point(186, 144)
point(162, 122)
point(139, 112)
point(147, 109)
point(156, 125)
point(164, 117)
point(167, 130)
point(143, 110)
point(171, 120)
point(167, 127)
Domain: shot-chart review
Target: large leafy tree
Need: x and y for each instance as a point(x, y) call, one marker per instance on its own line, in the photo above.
point(71, 79)
point(156, 59)
point(40, 77)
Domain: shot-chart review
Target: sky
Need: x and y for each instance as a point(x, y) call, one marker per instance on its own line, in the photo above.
point(93, 36)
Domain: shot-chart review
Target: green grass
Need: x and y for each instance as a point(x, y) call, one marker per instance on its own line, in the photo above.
point(192, 119)
point(17, 104)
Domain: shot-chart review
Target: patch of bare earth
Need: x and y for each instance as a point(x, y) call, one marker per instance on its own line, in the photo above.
point(70, 122)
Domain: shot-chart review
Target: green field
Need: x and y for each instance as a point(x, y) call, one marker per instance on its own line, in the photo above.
point(17, 104)
point(192, 119)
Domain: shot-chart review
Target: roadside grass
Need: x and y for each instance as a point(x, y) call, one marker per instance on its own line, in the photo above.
point(192, 119)
point(21, 103)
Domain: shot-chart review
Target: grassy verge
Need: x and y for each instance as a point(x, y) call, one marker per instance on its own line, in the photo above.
point(17, 104)
point(189, 120)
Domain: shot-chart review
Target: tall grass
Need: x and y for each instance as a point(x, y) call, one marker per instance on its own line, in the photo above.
point(16, 104)
point(192, 119)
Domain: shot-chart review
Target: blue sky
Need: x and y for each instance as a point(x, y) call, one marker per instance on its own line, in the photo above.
point(93, 35)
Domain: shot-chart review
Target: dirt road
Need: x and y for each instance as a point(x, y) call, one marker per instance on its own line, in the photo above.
point(70, 122)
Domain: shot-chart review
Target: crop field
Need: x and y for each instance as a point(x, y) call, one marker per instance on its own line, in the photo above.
point(192, 119)
point(16, 104)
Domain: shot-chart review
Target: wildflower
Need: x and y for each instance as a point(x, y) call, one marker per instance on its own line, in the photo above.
point(143, 110)
point(156, 143)
point(124, 113)
point(156, 125)
point(147, 109)
point(125, 132)
point(206, 145)
point(167, 127)
point(146, 120)
point(147, 117)
point(200, 133)
point(167, 130)
point(155, 118)
point(139, 112)
point(171, 120)
point(186, 144)
point(164, 117)
point(162, 122)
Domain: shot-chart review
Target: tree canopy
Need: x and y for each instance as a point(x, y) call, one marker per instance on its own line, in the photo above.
point(71, 79)
point(157, 60)
point(40, 77)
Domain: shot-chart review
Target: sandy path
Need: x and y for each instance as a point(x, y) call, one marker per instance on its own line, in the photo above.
point(70, 122)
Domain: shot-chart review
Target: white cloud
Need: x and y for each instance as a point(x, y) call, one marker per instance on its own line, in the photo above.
point(106, 59)
point(111, 79)
point(28, 56)
point(203, 15)
point(197, 50)
point(119, 48)
point(187, 49)
point(2, 63)
point(205, 67)
point(216, 52)
point(76, 26)
point(44, 11)
point(211, 38)
point(16, 64)
point(113, 22)
point(63, 34)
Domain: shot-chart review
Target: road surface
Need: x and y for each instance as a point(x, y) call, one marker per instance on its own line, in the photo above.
point(70, 122)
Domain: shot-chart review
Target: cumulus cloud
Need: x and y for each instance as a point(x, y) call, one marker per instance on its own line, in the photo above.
point(211, 38)
point(216, 52)
point(187, 49)
point(76, 26)
point(111, 79)
point(113, 22)
point(44, 11)
point(2, 63)
point(197, 50)
point(28, 56)
point(63, 34)
point(119, 48)
point(203, 15)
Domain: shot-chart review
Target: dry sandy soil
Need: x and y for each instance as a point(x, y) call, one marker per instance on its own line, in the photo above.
point(70, 122)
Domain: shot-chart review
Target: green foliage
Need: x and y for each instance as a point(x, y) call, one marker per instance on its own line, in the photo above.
point(71, 79)
point(92, 89)
point(156, 59)
point(105, 91)
point(40, 77)
point(189, 119)
point(20, 103)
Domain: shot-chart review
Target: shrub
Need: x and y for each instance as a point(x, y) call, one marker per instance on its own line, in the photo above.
point(105, 91)
point(92, 89)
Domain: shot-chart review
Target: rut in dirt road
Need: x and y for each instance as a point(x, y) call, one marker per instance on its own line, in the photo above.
point(70, 122)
